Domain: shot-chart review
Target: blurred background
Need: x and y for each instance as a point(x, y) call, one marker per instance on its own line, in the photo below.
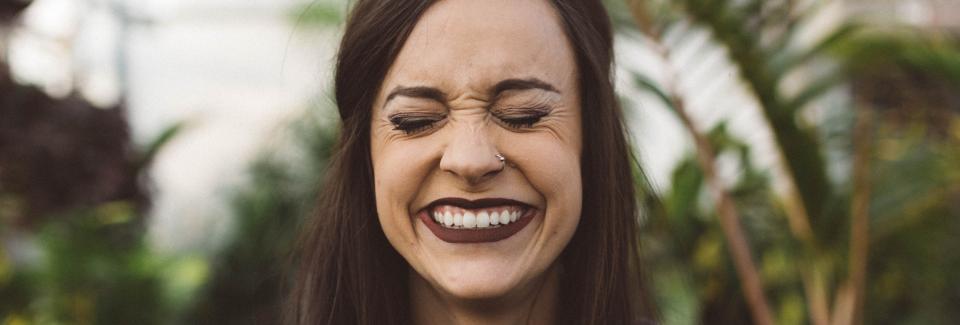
point(802, 157)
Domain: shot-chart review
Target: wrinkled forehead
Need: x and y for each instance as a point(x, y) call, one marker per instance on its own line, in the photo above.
point(466, 46)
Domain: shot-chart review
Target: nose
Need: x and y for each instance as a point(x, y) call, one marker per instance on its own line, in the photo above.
point(471, 156)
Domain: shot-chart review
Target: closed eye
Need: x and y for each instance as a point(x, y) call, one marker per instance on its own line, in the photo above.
point(413, 124)
point(521, 122)
point(522, 118)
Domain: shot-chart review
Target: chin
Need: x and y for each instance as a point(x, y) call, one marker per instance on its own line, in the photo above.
point(479, 288)
point(480, 271)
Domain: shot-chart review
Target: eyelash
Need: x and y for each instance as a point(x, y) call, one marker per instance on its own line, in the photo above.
point(525, 121)
point(413, 124)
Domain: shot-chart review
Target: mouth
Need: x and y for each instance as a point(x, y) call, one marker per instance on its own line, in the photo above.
point(457, 220)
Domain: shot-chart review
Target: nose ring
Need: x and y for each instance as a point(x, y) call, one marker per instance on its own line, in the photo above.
point(503, 161)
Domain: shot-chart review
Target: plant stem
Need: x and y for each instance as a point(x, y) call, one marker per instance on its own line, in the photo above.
point(737, 243)
point(850, 299)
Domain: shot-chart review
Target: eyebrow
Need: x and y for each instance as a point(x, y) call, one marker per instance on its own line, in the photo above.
point(416, 92)
point(522, 84)
point(437, 95)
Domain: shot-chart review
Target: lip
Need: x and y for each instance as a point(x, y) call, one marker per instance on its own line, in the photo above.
point(465, 236)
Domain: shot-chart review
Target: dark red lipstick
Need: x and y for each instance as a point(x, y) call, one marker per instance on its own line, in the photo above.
point(477, 235)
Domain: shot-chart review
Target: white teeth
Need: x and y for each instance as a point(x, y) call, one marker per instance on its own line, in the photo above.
point(483, 219)
point(469, 220)
point(447, 219)
point(472, 219)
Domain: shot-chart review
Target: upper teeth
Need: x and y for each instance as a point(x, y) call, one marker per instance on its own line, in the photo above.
point(480, 219)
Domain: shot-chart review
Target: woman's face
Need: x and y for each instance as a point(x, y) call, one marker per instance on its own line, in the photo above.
point(477, 78)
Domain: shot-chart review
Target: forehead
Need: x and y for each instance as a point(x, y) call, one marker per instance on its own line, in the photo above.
point(471, 45)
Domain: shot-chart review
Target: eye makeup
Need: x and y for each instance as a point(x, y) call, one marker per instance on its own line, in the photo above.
point(513, 110)
point(412, 123)
point(520, 118)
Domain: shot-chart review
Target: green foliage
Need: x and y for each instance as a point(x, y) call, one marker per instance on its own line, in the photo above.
point(321, 13)
point(72, 244)
point(905, 50)
point(735, 30)
point(93, 266)
point(87, 265)
point(98, 270)
point(909, 79)
point(250, 275)
point(688, 248)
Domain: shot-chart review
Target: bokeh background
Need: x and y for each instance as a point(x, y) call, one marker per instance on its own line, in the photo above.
point(802, 157)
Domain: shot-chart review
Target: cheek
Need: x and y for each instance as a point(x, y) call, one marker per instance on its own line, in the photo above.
point(391, 176)
point(553, 168)
point(399, 170)
point(562, 188)
point(552, 162)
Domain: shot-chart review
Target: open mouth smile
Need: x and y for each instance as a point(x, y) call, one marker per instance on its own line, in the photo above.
point(457, 220)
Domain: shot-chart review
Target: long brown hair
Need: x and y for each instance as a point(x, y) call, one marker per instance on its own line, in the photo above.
point(349, 273)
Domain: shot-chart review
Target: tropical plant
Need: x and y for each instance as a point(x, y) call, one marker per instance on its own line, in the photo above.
point(813, 238)
point(251, 273)
point(72, 204)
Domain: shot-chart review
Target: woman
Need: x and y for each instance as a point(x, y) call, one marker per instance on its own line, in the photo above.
point(483, 174)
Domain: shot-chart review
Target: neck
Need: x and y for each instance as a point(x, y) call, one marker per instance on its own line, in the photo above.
point(535, 304)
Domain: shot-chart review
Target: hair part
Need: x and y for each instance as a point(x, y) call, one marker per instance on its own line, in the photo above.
point(350, 274)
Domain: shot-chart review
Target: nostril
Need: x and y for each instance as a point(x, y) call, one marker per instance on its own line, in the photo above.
point(475, 173)
point(491, 174)
point(472, 166)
